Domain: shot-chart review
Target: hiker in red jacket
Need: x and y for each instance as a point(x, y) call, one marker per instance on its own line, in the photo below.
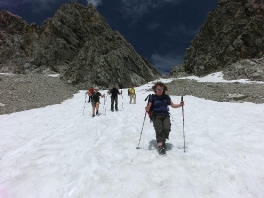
point(90, 92)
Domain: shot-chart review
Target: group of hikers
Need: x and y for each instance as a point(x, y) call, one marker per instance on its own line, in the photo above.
point(157, 108)
point(94, 97)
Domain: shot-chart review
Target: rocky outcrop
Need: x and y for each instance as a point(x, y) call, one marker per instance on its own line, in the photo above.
point(232, 32)
point(245, 69)
point(77, 43)
point(221, 92)
point(177, 72)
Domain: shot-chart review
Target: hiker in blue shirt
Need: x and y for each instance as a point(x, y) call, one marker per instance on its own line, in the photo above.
point(158, 105)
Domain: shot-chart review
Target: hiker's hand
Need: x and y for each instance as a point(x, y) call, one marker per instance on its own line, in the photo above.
point(147, 108)
point(182, 103)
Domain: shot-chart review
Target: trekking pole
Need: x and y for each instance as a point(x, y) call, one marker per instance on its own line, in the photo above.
point(84, 102)
point(105, 98)
point(104, 105)
point(122, 102)
point(183, 126)
point(141, 131)
point(171, 118)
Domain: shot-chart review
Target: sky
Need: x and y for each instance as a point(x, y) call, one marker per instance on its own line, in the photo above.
point(61, 151)
point(159, 30)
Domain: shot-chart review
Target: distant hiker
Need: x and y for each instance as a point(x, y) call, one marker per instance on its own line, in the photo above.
point(91, 90)
point(114, 97)
point(95, 97)
point(132, 94)
point(158, 105)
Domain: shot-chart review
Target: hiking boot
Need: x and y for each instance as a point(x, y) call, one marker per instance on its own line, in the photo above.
point(96, 112)
point(93, 116)
point(112, 110)
point(162, 150)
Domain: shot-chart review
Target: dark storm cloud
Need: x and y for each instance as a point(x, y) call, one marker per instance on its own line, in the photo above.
point(163, 63)
point(153, 26)
point(181, 30)
point(40, 5)
point(12, 3)
point(138, 8)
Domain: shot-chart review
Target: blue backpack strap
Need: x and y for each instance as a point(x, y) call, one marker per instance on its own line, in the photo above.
point(152, 97)
point(168, 99)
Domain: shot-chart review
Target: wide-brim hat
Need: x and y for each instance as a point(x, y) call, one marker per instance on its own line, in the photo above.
point(96, 88)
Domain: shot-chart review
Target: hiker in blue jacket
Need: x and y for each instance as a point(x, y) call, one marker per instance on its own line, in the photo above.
point(158, 104)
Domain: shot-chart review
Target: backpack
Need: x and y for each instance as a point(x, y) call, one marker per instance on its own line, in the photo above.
point(151, 112)
point(95, 96)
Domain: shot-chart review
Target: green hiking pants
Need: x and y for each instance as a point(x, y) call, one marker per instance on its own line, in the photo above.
point(162, 127)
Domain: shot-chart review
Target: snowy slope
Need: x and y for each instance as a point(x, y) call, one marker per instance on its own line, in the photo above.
point(58, 152)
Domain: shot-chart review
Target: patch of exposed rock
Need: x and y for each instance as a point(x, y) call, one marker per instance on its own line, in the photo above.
point(221, 92)
point(23, 92)
point(245, 69)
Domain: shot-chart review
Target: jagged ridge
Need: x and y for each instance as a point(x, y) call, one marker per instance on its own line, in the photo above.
point(233, 31)
point(77, 43)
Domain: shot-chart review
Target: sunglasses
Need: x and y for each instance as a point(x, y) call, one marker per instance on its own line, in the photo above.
point(159, 89)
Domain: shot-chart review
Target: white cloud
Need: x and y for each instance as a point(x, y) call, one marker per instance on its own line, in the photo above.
point(163, 63)
point(95, 2)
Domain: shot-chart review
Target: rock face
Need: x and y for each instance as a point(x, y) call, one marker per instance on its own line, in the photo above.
point(77, 43)
point(245, 69)
point(232, 32)
point(177, 72)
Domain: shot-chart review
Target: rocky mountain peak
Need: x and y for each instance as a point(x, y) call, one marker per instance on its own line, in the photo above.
point(77, 43)
point(11, 23)
point(232, 32)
